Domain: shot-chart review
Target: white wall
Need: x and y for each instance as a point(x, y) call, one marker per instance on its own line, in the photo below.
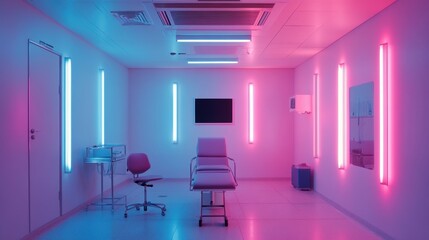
point(19, 23)
point(399, 210)
point(150, 118)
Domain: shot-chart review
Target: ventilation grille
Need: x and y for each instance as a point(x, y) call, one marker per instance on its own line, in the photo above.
point(263, 18)
point(213, 14)
point(163, 16)
point(214, 18)
point(128, 18)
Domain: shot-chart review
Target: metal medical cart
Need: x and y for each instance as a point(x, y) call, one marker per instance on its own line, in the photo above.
point(106, 154)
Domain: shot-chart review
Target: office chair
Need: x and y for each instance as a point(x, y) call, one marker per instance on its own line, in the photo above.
point(138, 163)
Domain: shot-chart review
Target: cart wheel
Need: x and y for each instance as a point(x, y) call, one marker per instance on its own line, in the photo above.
point(226, 222)
point(200, 223)
point(125, 215)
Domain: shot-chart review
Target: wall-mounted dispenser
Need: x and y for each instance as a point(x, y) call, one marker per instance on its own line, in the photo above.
point(300, 104)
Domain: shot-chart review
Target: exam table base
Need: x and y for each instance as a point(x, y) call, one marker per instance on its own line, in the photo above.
point(211, 206)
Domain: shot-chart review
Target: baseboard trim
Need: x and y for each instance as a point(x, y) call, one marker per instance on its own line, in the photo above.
point(39, 231)
point(360, 220)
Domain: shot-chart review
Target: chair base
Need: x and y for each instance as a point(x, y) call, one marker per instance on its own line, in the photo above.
point(137, 206)
point(146, 203)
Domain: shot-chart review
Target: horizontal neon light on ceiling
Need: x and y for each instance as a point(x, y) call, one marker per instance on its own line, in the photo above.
point(213, 38)
point(213, 61)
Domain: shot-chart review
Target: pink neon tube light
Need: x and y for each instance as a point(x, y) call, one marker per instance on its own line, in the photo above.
point(251, 113)
point(341, 120)
point(383, 114)
point(315, 116)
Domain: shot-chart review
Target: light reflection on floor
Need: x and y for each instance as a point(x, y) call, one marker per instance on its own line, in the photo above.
point(258, 209)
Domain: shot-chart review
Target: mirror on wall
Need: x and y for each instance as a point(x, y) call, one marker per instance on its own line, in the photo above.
point(362, 125)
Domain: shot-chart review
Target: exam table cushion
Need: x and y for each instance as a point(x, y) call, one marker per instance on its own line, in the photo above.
point(222, 180)
point(212, 161)
point(211, 147)
point(212, 167)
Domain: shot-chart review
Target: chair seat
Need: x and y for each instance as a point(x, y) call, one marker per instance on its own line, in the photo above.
point(145, 179)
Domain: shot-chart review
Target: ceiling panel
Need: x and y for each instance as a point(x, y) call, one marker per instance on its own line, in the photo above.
point(277, 51)
point(293, 34)
point(294, 30)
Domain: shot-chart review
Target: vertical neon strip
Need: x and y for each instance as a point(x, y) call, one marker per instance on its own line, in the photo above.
point(251, 113)
point(341, 122)
point(102, 106)
point(383, 105)
point(67, 116)
point(174, 113)
point(315, 116)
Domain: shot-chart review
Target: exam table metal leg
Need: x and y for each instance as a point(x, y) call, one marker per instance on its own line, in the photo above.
point(212, 205)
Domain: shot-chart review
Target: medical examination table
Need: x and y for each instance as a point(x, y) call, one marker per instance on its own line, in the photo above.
point(212, 171)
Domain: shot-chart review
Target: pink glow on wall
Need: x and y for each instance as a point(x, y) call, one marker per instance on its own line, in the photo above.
point(341, 138)
point(251, 114)
point(383, 105)
point(316, 115)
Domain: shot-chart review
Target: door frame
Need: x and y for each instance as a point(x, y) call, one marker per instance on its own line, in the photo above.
point(50, 49)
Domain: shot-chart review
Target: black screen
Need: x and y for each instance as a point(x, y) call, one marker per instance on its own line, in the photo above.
point(213, 110)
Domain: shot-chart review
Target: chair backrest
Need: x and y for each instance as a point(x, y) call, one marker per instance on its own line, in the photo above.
point(211, 147)
point(138, 163)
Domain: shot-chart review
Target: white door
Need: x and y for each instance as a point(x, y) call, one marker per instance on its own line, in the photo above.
point(44, 135)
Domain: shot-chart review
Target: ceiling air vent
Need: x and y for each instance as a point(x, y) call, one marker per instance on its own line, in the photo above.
point(163, 16)
point(230, 14)
point(128, 18)
point(263, 18)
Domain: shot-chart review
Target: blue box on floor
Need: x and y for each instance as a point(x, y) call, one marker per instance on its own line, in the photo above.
point(301, 177)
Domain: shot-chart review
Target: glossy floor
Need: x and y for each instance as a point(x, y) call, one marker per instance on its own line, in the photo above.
point(258, 209)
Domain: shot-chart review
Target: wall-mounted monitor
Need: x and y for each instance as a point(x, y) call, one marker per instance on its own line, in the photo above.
point(213, 110)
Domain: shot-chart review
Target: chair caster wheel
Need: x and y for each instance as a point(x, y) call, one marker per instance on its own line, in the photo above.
point(125, 215)
point(145, 208)
point(137, 208)
point(163, 213)
point(200, 223)
point(226, 222)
